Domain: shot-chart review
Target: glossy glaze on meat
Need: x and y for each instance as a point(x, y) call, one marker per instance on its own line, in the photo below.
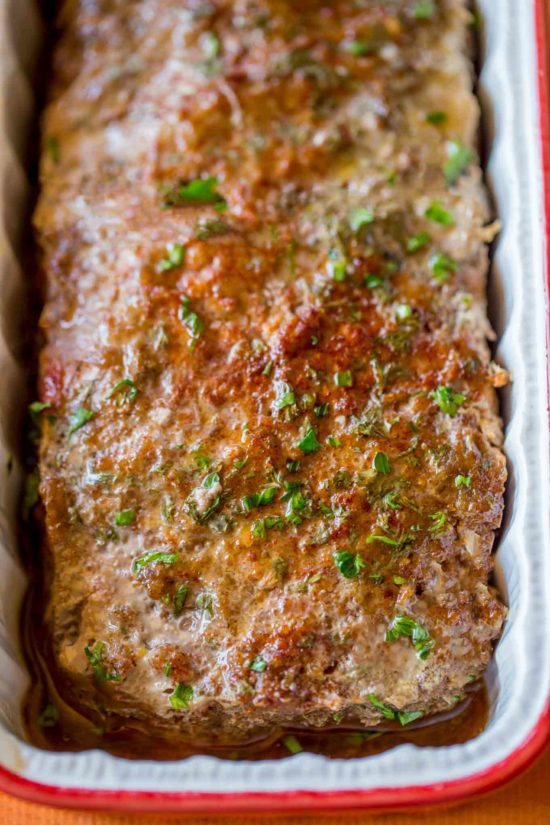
point(270, 461)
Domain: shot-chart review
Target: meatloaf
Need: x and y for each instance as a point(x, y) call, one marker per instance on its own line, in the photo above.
point(270, 464)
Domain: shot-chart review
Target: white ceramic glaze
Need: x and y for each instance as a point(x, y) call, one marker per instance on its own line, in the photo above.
point(520, 674)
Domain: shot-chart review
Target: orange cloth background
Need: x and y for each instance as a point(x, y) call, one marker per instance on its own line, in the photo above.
point(526, 801)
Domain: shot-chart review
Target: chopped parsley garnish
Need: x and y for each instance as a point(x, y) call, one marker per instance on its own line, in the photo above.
point(463, 481)
point(424, 9)
point(348, 564)
point(79, 418)
point(436, 118)
point(459, 158)
point(296, 502)
point(391, 542)
point(403, 312)
point(38, 407)
point(261, 526)
point(292, 465)
point(337, 266)
point(309, 444)
point(404, 717)
point(191, 321)
point(126, 386)
point(360, 217)
point(381, 463)
point(175, 253)
point(49, 717)
point(343, 379)
point(239, 463)
point(152, 557)
point(321, 410)
point(373, 281)
point(437, 212)
point(258, 665)
point(442, 266)
point(285, 396)
point(402, 626)
point(266, 496)
point(198, 191)
point(386, 711)
point(399, 580)
point(417, 242)
point(210, 45)
point(211, 480)
point(360, 48)
point(101, 673)
point(291, 744)
point(180, 598)
point(393, 500)
point(204, 603)
point(197, 506)
point(202, 461)
point(334, 441)
point(125, 517)
point(182, 695)
point(448, 400)
point(439, 519)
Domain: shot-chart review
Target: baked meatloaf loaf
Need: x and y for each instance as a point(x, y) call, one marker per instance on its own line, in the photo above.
point(270, 453)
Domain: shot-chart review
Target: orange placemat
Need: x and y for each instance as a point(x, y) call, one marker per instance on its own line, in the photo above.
point(526, 801)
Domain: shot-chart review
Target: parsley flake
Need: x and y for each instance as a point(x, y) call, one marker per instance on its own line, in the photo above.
point(292, 744)
point(381, 463)
point(38, 407)
point(152, 557)
point(210, 45)
point(192, 322)
point(402, 626)
point(196, 192)
point(448, 400)
point(442, 266)
point(459, 158)
point(424, 9)
point(258, 665)
point(348, 564)
point(260, 499)
point(309, 444)
point(180, 598)
point(417, 242)
point(436, 118)
point(182, 695)
point(79, 418)
point(101, 673)
point(285, 396)
point(343, 379)
point(360, 217)
point(49, 717)
point(437, 212)
point(125, 386)
point(175, 253)
point(125, 517)
point(337, 266)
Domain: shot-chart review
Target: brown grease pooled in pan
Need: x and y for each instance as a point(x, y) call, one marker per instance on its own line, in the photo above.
point(73, 732)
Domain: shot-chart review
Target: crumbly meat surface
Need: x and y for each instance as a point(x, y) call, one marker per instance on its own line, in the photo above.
point(270, 454)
